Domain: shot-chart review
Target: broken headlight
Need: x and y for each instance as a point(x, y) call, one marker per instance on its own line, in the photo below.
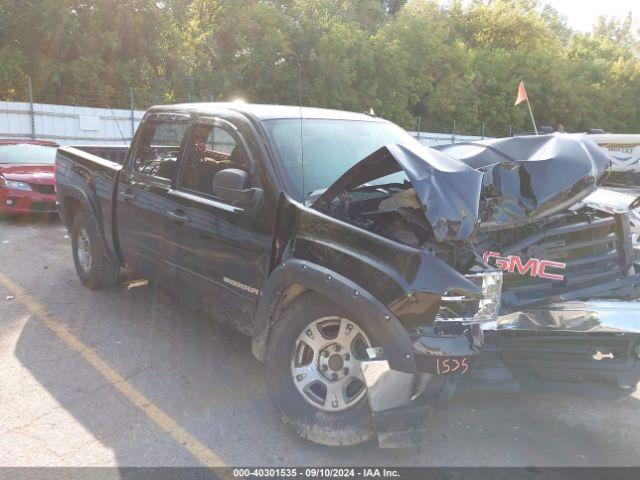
point(466, 309)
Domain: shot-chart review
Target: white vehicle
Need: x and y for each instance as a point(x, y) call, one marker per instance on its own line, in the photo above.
point(624, 153)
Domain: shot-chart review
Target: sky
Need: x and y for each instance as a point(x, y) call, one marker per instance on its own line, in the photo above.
point(582, 14)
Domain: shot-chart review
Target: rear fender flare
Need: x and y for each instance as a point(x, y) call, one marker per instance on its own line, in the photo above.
point(384, 326)
point(83, 199)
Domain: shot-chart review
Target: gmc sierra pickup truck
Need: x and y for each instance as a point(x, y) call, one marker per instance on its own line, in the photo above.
point(371, 273)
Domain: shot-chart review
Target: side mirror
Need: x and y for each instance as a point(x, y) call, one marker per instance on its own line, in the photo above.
point(232, 185)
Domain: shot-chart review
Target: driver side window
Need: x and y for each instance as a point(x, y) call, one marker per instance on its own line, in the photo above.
point(158, 148)
point(211, 149)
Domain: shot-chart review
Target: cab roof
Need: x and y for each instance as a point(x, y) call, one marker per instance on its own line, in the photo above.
point(263, 112)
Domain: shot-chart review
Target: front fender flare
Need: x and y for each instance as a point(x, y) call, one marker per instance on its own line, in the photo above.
point(379, 320)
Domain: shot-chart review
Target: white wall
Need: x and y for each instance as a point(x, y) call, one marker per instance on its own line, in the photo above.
point(68, 125)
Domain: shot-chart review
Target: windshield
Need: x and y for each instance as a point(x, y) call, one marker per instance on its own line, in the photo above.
point(330, 148)
point(28, 154)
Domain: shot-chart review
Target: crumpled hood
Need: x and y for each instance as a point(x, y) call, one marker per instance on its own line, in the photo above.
point(38, 174)
point(489, 185)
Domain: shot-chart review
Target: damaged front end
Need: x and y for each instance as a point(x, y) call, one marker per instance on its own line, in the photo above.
point(580, 333)
point(523, 221)
point(443, 349)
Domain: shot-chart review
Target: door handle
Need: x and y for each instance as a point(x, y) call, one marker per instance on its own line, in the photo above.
point(127, 196)
point(177, 216)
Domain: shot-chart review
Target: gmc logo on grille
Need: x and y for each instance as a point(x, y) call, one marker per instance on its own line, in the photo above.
point(534, 266)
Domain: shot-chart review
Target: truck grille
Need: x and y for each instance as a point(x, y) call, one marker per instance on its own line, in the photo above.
point(592, 247)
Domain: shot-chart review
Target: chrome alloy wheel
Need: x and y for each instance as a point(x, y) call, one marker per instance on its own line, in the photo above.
point(325, 364)
point(83, 250)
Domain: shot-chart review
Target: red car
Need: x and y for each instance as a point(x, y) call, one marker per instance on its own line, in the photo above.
point(27, 176)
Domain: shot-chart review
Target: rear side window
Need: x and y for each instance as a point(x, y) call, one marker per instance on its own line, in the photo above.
point(211, 149)
point(157, 150)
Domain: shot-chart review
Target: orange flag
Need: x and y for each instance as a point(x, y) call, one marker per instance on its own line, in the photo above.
point(522, 94)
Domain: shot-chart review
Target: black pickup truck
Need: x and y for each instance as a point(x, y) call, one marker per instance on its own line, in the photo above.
point(372, 273)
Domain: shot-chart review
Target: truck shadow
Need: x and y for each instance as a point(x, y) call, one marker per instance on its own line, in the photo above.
point(202, 374)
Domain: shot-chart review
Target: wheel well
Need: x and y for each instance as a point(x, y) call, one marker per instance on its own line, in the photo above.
point(286, 295)
point(345, 294)
point(71, 208)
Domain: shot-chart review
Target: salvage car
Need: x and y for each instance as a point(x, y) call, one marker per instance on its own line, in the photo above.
point(27, 179)
point(371, 273)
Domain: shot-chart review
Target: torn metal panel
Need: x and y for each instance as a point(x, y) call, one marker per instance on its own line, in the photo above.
point(610, 201)
point(398, 423)
point(527, 178)
point(448, 190)
point(575, 316)
point(497, 184)
point(595, 341)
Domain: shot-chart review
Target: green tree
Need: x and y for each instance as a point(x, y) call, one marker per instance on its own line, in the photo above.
point(460, 61)
point(605, 72)
point(86, 51)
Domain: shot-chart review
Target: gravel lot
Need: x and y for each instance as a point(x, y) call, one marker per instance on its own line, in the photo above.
point(58, 409)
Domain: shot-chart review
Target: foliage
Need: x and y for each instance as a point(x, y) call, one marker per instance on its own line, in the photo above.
point(459, 61)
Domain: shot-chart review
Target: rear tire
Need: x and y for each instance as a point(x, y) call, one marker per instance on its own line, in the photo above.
point(347, 425)
point(93, 266)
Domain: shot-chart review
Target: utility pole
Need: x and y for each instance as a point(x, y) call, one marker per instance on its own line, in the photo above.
point(32, 113)
point(133, 120)
point(483, 130)
point(453, 137)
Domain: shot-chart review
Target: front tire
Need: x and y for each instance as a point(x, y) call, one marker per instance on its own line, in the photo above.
point(313, 357)
point(93, 266)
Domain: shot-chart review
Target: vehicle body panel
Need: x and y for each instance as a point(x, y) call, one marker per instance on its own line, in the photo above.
point(88, 181)
point(228, 277)
point(141, 203)
point(113, 153)
point(213, 278)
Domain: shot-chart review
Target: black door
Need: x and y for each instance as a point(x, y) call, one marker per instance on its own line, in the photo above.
point(217, 249)
point(142, 192)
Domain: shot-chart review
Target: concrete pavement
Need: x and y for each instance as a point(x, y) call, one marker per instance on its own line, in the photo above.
point(140, 380)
